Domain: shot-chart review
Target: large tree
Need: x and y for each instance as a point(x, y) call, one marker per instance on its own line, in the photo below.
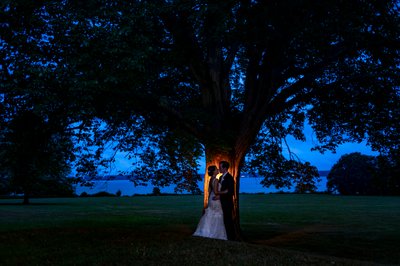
point(353, 175)
point(33, 155)
point(358, 174)
point(231, 78)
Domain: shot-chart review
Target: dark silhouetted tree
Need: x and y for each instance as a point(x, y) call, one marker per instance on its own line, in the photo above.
point(353, 174)
point(231, 79)
point(34, 160)
point(388, 177)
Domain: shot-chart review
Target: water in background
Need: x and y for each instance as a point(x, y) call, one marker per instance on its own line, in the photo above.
point(126, 187)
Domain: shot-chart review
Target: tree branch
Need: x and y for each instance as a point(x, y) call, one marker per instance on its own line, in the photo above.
point(280, 102)
point(177, 118)
point(182, 31)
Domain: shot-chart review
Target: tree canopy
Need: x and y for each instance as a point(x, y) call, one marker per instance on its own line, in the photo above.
point(358, 174)
point(231, 79)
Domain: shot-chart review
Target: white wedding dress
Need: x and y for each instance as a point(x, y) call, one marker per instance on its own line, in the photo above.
point(211, 224)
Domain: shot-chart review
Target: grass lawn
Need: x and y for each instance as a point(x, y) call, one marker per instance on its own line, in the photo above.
point(278, 230)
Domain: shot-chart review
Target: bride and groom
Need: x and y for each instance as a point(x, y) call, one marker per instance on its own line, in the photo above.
point(217, 221)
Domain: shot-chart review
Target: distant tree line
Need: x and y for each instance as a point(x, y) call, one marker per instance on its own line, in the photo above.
point(358, 174)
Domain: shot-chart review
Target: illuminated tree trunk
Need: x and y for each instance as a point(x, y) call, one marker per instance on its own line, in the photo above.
point(214, 157)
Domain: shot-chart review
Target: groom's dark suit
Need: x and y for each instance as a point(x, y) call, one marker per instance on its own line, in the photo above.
point(227, 204)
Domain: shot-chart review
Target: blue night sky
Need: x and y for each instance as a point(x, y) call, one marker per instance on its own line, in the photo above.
point(326, 160)
point(323, 161)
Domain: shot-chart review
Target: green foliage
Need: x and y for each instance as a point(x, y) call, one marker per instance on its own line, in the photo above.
point(61, 187)
point(389, 174)
point(34, 158)
point(156, 191)
point(352, 174)
point(170, 160)
point(174, 79)
point(357, 174)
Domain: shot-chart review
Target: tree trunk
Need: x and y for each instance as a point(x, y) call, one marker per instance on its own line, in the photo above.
point(214, 157)
point(26, 198)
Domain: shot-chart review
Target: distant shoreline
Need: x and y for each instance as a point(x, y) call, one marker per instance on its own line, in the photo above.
point(323, 173)
point(124, 186)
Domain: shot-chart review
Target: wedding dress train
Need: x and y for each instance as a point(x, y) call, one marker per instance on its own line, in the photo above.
point(211, 224)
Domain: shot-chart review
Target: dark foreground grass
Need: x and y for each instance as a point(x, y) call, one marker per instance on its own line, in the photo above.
point(278, 230)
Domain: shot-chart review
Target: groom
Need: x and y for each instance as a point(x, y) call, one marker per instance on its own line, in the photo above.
point(227, 183)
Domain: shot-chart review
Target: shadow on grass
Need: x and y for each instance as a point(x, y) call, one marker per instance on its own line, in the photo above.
point(148, 246)
point(330, 241)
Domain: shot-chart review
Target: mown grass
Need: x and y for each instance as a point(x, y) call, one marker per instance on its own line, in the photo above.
point(277, 229)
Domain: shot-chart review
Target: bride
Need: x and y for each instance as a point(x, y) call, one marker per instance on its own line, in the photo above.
point(212, 222)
